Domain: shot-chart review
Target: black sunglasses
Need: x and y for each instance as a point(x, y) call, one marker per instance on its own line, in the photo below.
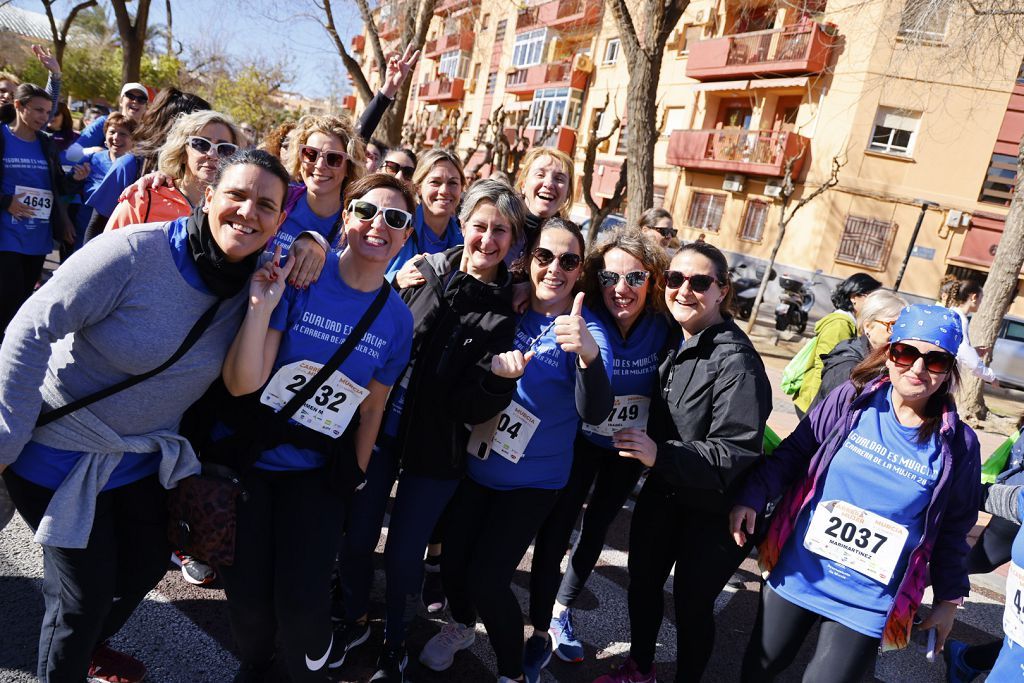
point(906, 355)
point(331, 158)
point(395, 168)
point(567, 261)
point(364, 210)
point(699, 283)
point(666, 232)
point(138, 99)
point(635, 279)
point(203, 146)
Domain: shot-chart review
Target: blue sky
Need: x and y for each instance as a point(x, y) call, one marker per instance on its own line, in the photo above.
point(270, 28)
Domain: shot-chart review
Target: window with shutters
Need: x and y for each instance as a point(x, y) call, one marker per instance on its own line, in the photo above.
point(866, 242)
point(895, 131)
point(706, 211)
point(492, 82)
point(499, 30)
point(998, 185)
point(754, 218)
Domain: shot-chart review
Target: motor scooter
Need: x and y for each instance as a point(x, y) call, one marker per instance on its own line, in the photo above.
point(796, 302)
point(745, 288)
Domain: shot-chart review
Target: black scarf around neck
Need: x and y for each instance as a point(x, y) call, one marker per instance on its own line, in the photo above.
point(224, 278)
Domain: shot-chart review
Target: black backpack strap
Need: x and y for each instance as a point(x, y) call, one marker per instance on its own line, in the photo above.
point(193, 336)
point(339, 356)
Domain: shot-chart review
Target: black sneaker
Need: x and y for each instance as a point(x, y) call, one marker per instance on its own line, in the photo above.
point(433, 592)
point(391, 665)
point(347, 637)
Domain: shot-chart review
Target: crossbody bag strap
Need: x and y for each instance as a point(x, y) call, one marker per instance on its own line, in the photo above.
point(190, 339)
point(339, 356)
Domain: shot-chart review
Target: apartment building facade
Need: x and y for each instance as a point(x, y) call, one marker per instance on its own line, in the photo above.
point(754, 95)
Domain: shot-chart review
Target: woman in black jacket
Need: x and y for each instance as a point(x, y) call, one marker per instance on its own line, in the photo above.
point(461, 372)
point(706, 426)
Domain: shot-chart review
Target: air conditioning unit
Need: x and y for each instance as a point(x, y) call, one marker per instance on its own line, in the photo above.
point(734, 182)
point(957, 219)
point(773, 188)
point(584, 63)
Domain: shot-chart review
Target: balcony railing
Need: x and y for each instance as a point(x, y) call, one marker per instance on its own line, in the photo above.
point(388, 28)
point(349, 103)
point(558, 75)
point(798, 49)
point(358, 42)
point(559, 14)
point(461, 40)
point(448, 6)
point(442, 90)
point(735, 150)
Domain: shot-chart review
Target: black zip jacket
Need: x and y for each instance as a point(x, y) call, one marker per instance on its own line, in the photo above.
point(459, 324)
point(839, 363)
point(60, 184)
point(708, 419)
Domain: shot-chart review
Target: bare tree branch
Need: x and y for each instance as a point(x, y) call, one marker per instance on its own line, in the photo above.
point(60, 36)
point(371, 30)
point(351, 65)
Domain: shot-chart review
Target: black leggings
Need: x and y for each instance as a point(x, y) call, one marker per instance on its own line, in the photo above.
point(19, 274)
point(666, 533)
point(612, 478)
point(90, 592)
point(842, 654)
point(488, 533)
point(279, 585)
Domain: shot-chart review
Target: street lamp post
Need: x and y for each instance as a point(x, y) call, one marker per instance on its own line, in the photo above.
point(925, 205)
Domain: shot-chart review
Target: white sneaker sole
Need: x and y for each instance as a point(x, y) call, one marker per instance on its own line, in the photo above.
point(445, 665)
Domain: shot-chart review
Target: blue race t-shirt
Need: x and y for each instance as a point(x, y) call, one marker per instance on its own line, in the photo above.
point(123, 172)
point(27, 178)
point(880, 468)
point(92, 135)
point(634, 375)
point(424, 241)
point(300, 219)
point(544, 403)
point(100, 164)
point(315, 321)
point(48, 467)
point(1010, 664)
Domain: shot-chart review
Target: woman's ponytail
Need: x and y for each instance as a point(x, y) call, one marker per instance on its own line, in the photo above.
point(7, 113)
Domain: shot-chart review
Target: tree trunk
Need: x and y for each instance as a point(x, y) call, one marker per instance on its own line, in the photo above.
point(641, 126)
point(133, 36)
point(1000, 288)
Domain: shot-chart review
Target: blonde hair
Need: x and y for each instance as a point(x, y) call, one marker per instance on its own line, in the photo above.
point(8, 76)
point(556, 154)
point(880, 304)
point(341, 127)
point(433, 158)
point(172, 159)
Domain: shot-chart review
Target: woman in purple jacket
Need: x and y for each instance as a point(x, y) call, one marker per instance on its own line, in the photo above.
point(879, 489)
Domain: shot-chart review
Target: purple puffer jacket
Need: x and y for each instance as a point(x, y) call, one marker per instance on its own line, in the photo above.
point(797, 468)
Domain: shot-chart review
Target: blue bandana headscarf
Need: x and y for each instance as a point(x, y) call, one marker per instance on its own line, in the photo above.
point(934, 324)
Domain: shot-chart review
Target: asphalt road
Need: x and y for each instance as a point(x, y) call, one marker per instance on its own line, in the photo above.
point(181, 632)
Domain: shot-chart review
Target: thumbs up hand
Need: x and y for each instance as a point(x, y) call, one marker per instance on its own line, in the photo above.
point(572, 335)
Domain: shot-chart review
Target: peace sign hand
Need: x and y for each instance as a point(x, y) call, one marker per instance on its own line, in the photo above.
point(572, 335)
point(398, 70)
point(268, 283)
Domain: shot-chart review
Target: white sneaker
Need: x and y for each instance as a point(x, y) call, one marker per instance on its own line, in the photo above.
point(439, 652)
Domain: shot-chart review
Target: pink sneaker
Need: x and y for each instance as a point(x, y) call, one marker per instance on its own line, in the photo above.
point(629, 673)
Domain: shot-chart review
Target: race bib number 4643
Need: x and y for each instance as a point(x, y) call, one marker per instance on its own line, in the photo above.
point(1013, 612)
point(856, 538)
point(40, 201)
point(328, 410)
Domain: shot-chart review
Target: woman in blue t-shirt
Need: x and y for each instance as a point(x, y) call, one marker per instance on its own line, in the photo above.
point(30, 181)
point(521, 459)
point(299, 476)
point(439, 180)
point(623, 279)
point(879, 490)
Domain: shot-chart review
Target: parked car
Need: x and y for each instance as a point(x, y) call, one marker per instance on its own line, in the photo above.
point(610, 222)
point(1008, 353)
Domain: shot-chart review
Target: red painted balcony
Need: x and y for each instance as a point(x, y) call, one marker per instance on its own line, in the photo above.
point(358, 43)
point(442, 90)
point(349, 103)
point(798, 49)
point(559, 15)
point(559, 75)
point(462, 40)
point(562, 138)
point(734, 150)
point(445, 7)
point(431, 135)
point(388, 29)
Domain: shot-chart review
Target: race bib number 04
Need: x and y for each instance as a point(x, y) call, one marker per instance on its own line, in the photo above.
point(628, 411)
point(40, 201)
point(1013, 612)
point(507, 434)
point(861, 540)
point(329, 410)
